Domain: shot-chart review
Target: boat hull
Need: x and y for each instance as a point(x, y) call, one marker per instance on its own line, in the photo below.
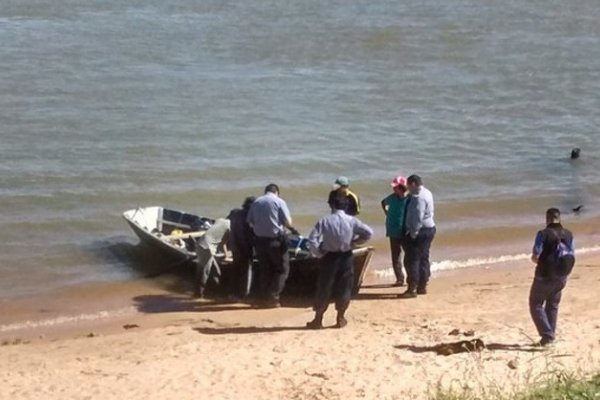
point(152, 229)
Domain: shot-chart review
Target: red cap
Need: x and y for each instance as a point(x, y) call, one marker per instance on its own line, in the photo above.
point(398, 181)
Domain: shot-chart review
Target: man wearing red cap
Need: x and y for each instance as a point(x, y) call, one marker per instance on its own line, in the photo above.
point(394, 207)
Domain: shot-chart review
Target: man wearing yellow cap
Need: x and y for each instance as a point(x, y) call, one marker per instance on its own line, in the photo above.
point(341, 189)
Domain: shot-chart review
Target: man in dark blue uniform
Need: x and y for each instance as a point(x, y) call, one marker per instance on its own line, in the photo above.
point(240, 244)
point(554, 256)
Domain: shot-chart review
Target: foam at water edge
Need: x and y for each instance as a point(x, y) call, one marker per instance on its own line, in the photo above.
point(65, 319)
point(479, 262)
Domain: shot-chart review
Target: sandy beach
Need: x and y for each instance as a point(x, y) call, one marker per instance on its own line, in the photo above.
point(170, 346)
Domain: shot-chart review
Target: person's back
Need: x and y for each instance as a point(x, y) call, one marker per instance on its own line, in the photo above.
point(269, 215)
point(556, 258)
point(214, 235)
point(240, 236)
point(338, 232)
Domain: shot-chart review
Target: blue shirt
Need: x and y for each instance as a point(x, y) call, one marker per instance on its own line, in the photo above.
point(268, 216)
point(396, 212)
point(419, 212)
point(337, 232)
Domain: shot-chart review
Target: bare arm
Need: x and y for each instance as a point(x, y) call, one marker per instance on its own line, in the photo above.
point(384, 206)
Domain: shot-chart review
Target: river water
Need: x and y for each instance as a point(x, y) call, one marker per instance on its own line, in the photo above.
point(108, 105)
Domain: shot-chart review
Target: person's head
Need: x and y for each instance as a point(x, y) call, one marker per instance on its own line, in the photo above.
point(272, 188)
point(339, 203)
point(414, 182)
point(399, 185)
point(248, 202)
point(575, 153)
point(553, 216)
point(341, 184)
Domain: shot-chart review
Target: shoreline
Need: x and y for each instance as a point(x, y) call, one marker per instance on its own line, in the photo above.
point(120, 258)
point(102, 306)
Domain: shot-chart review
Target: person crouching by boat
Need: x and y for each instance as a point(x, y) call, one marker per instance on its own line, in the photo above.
point(269, 217)
point(394, 208)
point(332, 239)
point(240, 244)
point(207, 248)
point(341, 189)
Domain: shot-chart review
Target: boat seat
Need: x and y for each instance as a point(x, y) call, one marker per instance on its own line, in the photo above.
point(175, 224)
point(185, 235)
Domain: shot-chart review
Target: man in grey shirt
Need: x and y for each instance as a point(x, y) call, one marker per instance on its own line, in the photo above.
point(332, 239)
point(206, 249)
point(420, 231)
point(269, 217)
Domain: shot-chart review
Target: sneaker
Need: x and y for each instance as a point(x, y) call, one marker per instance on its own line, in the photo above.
point(546, 342)
point(314, 324)
point(422, 290)
point(341, 322)
point(399, 283)
point(409, 294)
point(271, 304)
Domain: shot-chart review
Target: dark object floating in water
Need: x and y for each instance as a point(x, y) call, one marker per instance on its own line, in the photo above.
point(578, 208)
point(575, 153)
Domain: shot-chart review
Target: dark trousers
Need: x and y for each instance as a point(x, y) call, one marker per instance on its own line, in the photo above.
point(396, 245)
point(336, 278)
point(416, 260)
point(241, 279)
point(274, 264)
point(544, 299)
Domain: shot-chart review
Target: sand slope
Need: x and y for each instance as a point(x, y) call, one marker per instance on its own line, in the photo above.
point(200, 352)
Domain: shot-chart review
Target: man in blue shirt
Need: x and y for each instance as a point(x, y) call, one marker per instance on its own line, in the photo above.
point(269, 217)
point(554, 256)
point(333, 238)
point(394, 207)
point(420, 231)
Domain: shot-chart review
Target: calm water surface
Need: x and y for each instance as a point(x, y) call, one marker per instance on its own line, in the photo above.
point(109, 105)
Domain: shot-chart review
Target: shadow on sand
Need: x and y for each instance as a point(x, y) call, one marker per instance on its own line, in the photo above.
point(246, 330)
point(153, 304)
point(166, 303)
point(376, 296)
point(490, 346)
